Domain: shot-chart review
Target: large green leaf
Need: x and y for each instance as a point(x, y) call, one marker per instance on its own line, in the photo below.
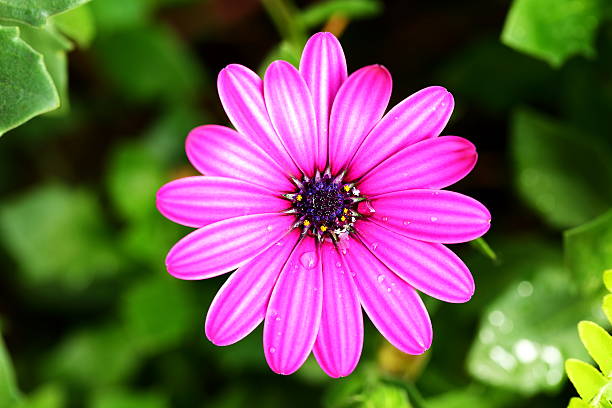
point(599, 345)
point(58, 237)
point(527, 333)
point(26, 88)
point(35, 12)
point(587, 380)
point(588, 251)
point(564, 175)
point(9, 394)
point(553, 30)
point(78, 24)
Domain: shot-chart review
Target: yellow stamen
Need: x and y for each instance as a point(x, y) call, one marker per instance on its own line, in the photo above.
point(306, 223)
point(299, 197)
point(347, 188)
point(346, 210)
point(343, 218)
point(323, 228)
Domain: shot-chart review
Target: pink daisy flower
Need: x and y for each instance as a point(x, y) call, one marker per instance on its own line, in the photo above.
point(324, 205)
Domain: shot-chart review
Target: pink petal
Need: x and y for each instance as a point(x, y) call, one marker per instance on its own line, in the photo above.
point(219, 151)
point(429, 267)
point(202, 200)
point(241, 93)
point(292, 113)
point(294, 313)
point(432, 215)
point(394, 307)
point(432, 163)
point(240, 305)
point(226, 245)
point(358, 106)
point(421, 116)
point(340, 338)
point(323, 66)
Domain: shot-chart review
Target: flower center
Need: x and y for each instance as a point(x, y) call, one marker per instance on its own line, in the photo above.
point(325, 206)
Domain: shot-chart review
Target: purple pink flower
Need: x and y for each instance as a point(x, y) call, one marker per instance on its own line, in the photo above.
point(322, 205)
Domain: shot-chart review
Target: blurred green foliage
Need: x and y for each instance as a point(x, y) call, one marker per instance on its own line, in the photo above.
point(89, 315)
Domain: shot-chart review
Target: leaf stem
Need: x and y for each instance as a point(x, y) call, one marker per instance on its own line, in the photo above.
point(283, 15)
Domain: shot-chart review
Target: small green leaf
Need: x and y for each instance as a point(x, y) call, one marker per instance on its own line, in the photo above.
point(35, 12)
point(112, 16)
point(383, 395)
point(607, 278)
point(158, 312)
point(319, 13)
point(564, 175)
point(553, 30)
point(58, 237)
point(27, 88)
point(77, 24)
point(129, 399)
point(578, 403)
point(481, 245)
point(587, 380)
point(598, 343)
point(49, 396)
point(9, 394)
point(588, 251)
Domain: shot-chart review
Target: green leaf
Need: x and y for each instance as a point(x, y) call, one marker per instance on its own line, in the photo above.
point(93, 358)
point(150, 63)
point(598, 343)
point(587, 380)
point(383, 395)
point(49, 396)
point(134, 176)
point(588, 251)
point(578, 403)
point(158, 312)
point(58, 237)
point(553, 30)
point(53, 47)
point(113, 16)
point(77, 24)
point(564, 175)
point(35, 12)
point(129, 399)
point(472, 397)
point(528, 331)
point(9, 394)
point(607, 278)
point(27, 88)
point(482, 246)
point(319, 13)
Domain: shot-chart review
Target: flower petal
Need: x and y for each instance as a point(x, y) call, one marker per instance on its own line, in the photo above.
point(432, 163)
point(240, 305)
point(323, 67)
point(292, 113)
point(358, 106)
point(421, 116)
point(294, 313)
point(340, 338)
point(226, 245)
point(241, 93)
point(429, 267)
point(394, 307)
point(432, 215)
point(219, 151)
point(202, 200)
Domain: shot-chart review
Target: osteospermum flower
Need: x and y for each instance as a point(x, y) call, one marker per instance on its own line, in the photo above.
point(323, 204)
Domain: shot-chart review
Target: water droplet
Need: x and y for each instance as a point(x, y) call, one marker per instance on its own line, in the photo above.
point(279, 333)
point(279, 243)
point(380, 278)
point(434, 219)
point(374, 246)
point(406, 222)
point(272, 350)
point(385, 218)
point(339, 264)
point(308, 259)
point(269, 228)
point(278, 318)
point(389, 290)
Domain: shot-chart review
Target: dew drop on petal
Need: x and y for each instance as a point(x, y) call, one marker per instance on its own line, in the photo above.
point(385, 218)
point(389, 290)
point(272, 350)
point(434, 219)
point(269, 228)
point(338, 264)
point(308, 260)
point(406, 222)
point(374, 246)
point(380, 278)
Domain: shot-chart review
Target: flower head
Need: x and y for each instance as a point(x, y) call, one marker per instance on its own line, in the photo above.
point(324, 205)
